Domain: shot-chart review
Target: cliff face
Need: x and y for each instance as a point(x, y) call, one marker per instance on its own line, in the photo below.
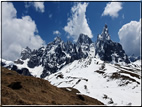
point(109, 51)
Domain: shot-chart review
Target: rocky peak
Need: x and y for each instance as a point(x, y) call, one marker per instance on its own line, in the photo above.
point(69, 42)
point(134, 58)
point(25, 53)
point(59, 53)
point(107, 50)
point(104, 35)
point(57, 40)
point(84, 39)
point(28, 49)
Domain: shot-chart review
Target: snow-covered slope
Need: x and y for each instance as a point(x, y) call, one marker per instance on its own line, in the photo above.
point(137, 63)
point(6, 63)
point(112, 84)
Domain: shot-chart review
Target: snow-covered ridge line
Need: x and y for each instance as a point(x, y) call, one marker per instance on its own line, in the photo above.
point(58, 53)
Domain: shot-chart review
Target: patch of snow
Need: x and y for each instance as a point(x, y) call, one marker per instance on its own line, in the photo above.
point(36, 71)
point(8, 63)
point(138, 62)
point(68, 89)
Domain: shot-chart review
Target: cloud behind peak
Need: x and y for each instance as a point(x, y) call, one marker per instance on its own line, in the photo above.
point(77, 23)
point(17, 33)
point(112, 9)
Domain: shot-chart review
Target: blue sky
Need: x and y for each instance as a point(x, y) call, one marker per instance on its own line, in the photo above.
point(61, 11)
point(36, 23)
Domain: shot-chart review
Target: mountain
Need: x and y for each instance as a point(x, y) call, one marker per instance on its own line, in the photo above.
point(23, 90)
point(26, 53)
point(85, 47)
point(58, 53)
point(54, 56)
point(112, 84)
point(134, 58)
point(110, 51)
point(100, 70)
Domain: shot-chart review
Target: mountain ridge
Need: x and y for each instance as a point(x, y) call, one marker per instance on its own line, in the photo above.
point(86, 66)
point(58, 53)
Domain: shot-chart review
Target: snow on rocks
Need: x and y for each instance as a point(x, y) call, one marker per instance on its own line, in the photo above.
point(106, 84)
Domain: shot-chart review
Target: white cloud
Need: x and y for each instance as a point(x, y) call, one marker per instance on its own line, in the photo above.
point(17, 33)
point(28, 4)
point(78, 23)
point(39, 6)
point(112, 9)
point(130, 37)
point(56, 32)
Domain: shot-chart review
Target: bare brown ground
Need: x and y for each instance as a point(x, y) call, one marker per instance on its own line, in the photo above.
point(25, 90)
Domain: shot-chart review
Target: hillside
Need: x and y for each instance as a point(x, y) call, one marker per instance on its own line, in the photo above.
point(26, 90)
point(112, 84)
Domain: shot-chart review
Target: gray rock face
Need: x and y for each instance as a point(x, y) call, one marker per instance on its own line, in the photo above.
point(133, 58)
point(83, 46)
point(18, 61)
point(108, 50)
point(83, 39)
point(58, 53)
point(26, 53)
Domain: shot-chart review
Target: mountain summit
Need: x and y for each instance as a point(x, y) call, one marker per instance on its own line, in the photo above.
point(57, 40)
point(86, 66)
point(25, 53)
point(104, 35)
point(110, 51)
point(84, 39)
point(58, 53)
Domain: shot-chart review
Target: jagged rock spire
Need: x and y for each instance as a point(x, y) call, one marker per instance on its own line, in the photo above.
point(104, 35)
point(25, 53)
point(84, 39)
point(105, 25)
point(57, 40)
point(107, 50)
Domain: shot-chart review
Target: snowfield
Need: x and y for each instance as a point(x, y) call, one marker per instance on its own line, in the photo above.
point(112, 84)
